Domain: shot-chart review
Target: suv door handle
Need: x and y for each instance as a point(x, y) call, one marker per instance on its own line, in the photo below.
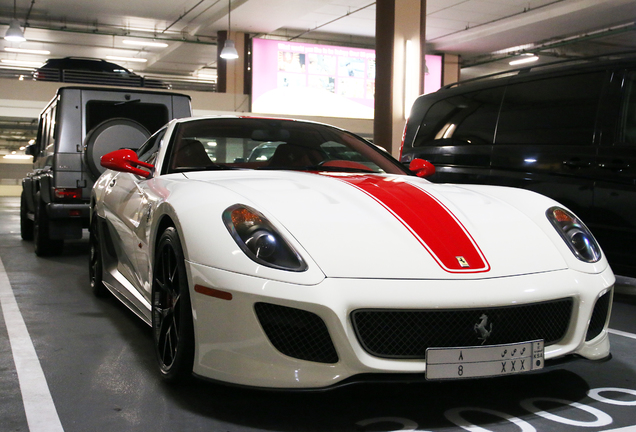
point(577, 163)
point(615, 165)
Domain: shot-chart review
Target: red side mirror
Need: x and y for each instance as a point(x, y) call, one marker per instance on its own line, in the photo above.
point(125, 160)
point(422, 168)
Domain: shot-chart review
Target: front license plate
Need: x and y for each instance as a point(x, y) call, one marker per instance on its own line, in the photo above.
point(473, 362)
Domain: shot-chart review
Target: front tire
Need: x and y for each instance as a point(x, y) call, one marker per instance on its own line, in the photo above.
point(172, 324)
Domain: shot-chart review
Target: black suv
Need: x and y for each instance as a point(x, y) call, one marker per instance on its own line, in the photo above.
point(75, 130)
point(82, 70)
point(567, 131)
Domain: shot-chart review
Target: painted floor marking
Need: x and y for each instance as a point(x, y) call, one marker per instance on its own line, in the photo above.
point(622, 333)
point(38, 404)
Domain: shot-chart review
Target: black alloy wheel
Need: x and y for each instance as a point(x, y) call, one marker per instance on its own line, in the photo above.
point(43, 244)
point(26, 224)
point(172, 324)
point(95, 264)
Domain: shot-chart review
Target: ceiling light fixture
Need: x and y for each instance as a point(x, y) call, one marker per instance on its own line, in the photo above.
point(27, 51)
point(145, 43)
point(531, 58)
point(229, 51)
point(130, 59)
point(16, 156)
point(14, 32)
point(21, 63)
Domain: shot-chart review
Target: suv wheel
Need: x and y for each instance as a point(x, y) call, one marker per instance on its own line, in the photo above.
point(26, 224)
point(43, 245)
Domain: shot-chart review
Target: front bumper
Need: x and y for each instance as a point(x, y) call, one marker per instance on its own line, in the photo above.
point(232, 345)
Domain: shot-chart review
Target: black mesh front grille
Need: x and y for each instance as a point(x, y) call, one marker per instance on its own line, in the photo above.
point(599, 316)
point(296, 333)
point(408, 333)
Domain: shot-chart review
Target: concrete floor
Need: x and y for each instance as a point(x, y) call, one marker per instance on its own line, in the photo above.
point(98, 367)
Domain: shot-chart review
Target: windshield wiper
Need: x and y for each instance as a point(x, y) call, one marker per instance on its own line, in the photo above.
point(337, 169)
point(215, 167)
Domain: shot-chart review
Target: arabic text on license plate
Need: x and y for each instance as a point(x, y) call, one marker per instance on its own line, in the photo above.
point(472, 362)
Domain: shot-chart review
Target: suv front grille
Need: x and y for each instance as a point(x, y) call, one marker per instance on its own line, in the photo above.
point(408, 333)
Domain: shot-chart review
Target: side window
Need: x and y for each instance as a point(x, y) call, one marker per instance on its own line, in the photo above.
point(559, 110)
point(149, 149)
point(43, 132)
point(628, 124)
point(49, 150)
point(465, 119)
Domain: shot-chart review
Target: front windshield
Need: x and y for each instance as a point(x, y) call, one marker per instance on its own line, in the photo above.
point(254, 143)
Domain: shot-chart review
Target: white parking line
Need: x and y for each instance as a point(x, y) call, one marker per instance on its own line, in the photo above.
point(38, 404)
point(622, 333)
point(623, 429)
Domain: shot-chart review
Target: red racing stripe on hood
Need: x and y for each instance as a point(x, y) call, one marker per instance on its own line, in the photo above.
point(430, 221)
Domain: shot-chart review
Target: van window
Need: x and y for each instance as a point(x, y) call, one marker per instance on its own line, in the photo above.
point(150, 116)
point(558, 110)
point(465, 119)
point(629, 119)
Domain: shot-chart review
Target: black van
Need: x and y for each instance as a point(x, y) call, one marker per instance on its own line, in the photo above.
point(567, 131)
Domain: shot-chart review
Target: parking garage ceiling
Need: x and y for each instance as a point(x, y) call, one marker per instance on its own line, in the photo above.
point(485, 33)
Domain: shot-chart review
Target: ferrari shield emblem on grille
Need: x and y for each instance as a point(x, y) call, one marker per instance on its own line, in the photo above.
point(482, 329)
point(462, 261)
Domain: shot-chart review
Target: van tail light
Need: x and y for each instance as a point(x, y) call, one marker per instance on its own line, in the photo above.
point(68, 193)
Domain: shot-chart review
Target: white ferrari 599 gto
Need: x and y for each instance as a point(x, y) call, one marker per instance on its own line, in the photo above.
point(290, 254)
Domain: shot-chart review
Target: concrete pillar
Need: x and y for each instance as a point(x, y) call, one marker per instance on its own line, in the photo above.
point(231, 73)
point(450, 69)
point(400, 30)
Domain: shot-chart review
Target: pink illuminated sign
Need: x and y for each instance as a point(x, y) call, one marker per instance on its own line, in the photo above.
point(315, 80)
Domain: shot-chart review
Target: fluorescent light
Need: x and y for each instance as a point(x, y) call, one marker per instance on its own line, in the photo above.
point(145, 43)
point(529, 59)
point(130, 59)
point(206, 76)
point(515, 48)
point(27, 51)
point(17, 156)
point(14, 32)
point(22, 63)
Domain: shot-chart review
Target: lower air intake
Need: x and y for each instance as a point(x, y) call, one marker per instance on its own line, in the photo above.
point(296, 333)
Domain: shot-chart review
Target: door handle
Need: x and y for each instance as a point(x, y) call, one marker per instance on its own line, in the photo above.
point(577, 163)
point(615, 165)
point(112, 183)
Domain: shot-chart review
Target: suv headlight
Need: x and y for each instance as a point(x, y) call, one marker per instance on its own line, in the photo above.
point(259, 240)
point(576, 235)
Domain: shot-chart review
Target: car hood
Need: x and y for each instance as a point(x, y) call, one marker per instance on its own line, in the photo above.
point(400, 227)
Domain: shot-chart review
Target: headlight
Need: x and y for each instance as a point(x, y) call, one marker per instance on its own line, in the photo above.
point(259, 240)
point(575, 233)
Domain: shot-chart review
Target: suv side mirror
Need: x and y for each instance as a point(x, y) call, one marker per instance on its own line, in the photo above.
point(31, 150)
point(422, 168)
point(125, 160)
